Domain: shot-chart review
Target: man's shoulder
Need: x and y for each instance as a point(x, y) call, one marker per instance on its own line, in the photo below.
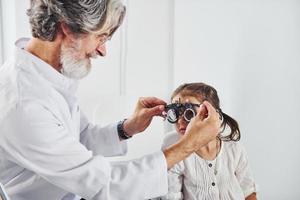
point(18, 86)
point(9, 91)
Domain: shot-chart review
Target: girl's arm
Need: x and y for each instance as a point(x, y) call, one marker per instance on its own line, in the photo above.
point(251, 196)
point(244, 174)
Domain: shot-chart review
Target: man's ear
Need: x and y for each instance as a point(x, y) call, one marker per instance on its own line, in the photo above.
point(66, 30)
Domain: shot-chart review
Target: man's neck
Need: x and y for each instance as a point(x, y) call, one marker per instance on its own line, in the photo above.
point(46, 51)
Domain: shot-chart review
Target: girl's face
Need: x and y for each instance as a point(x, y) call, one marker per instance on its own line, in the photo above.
point(181, 123)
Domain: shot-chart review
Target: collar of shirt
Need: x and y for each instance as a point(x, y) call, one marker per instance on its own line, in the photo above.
point(34, 64)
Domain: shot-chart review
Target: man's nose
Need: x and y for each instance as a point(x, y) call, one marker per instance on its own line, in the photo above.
point(101, 50)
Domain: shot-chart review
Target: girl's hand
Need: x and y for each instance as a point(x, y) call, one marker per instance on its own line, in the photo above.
point(251, 196)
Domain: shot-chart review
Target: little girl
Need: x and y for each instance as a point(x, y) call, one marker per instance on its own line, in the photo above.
point(217, 171)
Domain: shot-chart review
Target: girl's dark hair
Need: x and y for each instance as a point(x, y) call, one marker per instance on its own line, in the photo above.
point(206, 92)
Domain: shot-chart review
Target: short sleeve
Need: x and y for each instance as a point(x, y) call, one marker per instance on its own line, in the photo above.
point(244, 173)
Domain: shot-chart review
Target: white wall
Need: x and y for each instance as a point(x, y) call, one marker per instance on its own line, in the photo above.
point(249, 50)
point(14, 22)
point(1, 34)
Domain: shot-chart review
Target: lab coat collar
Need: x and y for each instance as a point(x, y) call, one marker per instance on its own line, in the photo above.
point(56, 79)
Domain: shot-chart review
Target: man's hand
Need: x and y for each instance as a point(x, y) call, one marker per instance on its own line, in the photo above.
point(203, 128)
point(146, 108)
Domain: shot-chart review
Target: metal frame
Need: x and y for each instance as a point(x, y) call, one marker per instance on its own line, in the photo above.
point(3, 195)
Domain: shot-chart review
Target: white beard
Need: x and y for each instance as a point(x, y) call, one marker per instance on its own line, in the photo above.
point(72, 66)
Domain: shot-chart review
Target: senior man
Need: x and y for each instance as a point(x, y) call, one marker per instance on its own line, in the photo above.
point(47, 146)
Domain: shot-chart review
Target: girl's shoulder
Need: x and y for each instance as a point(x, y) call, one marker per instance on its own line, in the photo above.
point(233, 148)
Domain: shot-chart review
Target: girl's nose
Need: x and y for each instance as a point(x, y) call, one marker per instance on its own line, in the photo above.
point(181, 121)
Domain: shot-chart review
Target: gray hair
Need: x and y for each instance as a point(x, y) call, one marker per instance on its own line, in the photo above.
point(81, 16)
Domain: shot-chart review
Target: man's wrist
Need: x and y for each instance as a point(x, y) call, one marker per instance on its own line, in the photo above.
point(177, 152)
point(187, 145)
point(121, 131)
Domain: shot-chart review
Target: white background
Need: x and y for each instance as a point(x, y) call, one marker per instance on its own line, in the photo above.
point(249, 50)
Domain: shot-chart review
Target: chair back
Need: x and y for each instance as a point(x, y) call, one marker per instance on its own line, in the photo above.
point(3, 195)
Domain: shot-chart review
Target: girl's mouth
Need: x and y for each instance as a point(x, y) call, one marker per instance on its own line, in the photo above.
point(182, 130)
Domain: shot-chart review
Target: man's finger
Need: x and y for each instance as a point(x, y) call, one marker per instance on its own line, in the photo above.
point(202, 113)
point(211, 111)
point(149, 102)
point(155, 111)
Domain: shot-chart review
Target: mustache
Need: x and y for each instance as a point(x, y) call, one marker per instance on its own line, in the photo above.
point(93, 55)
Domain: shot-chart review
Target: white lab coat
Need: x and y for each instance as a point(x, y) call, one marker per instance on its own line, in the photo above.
point(48, 148)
